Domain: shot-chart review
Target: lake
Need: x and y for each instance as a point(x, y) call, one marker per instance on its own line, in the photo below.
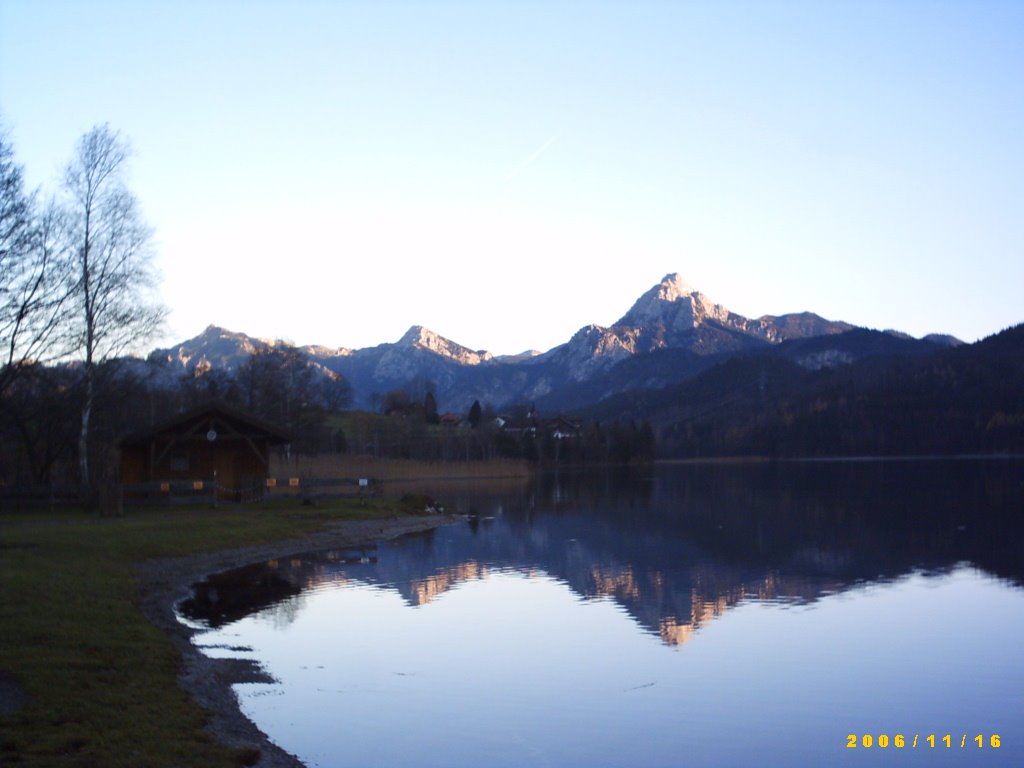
point(820, 613)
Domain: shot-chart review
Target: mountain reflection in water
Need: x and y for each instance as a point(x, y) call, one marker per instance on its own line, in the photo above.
point(677, 546)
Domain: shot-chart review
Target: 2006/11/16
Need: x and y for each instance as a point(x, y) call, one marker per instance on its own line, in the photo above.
point(900, 741)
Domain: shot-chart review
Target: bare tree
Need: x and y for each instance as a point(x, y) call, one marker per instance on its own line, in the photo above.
point(110, 247)
point(33, 285)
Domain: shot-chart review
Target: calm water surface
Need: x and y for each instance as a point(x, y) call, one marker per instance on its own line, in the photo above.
point(749, 615)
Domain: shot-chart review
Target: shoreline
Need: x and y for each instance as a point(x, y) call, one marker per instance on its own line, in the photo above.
point(162, 584)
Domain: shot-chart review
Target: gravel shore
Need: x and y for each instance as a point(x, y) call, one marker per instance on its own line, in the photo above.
point(164, 583)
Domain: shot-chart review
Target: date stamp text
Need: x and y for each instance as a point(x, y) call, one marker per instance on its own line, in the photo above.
point(923, 741)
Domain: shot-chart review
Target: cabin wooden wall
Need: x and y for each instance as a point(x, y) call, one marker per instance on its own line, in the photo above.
point(233, 462)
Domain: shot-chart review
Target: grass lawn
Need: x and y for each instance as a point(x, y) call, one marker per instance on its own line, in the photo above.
point(99, 679)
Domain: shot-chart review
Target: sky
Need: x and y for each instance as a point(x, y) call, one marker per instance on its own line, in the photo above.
point(505, 173)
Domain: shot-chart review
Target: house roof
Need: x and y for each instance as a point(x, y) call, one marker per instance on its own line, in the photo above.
point(210, 412)
point(563, 421)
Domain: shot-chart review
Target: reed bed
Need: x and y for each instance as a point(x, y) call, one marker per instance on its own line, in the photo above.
point(391, 470)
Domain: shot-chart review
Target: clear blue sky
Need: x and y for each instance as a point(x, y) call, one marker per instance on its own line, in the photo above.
point(506, 172)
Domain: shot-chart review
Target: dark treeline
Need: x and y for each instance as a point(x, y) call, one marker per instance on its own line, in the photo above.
point(965, 400)
point(39, 431)
point(278, 385)
point(406, 424)
point(39, 412)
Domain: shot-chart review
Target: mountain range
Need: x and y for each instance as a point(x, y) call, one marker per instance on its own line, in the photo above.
point(670, 334)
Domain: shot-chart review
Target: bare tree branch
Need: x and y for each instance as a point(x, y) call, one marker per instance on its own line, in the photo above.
point(33, 276)
point(113, 262)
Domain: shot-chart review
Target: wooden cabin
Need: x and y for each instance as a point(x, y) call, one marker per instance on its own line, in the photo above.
point(212, 443)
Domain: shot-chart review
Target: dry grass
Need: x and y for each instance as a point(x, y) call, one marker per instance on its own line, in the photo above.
point(339, 465)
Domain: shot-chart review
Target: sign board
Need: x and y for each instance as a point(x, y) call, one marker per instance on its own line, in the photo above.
point(271, 482)
point(363, 482)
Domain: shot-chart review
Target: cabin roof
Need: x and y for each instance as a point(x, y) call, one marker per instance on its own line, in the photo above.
point(189, 421)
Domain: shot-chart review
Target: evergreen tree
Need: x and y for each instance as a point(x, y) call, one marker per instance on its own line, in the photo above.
point(430, 408)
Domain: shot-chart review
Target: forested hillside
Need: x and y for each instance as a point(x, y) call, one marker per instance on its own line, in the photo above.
point(968, 399)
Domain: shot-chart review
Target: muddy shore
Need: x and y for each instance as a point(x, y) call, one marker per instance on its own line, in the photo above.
point(162, 584)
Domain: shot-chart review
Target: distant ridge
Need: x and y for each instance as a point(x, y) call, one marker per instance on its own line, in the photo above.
point(671, 332)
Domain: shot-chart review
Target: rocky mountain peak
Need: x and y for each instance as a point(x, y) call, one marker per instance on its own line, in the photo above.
point(214, 346)
point(672, 304)
point(418, 337)
point(213, 333)
point(672, 287)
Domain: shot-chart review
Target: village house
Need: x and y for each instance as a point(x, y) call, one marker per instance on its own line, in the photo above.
point(561, 428)
point(449, 420)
